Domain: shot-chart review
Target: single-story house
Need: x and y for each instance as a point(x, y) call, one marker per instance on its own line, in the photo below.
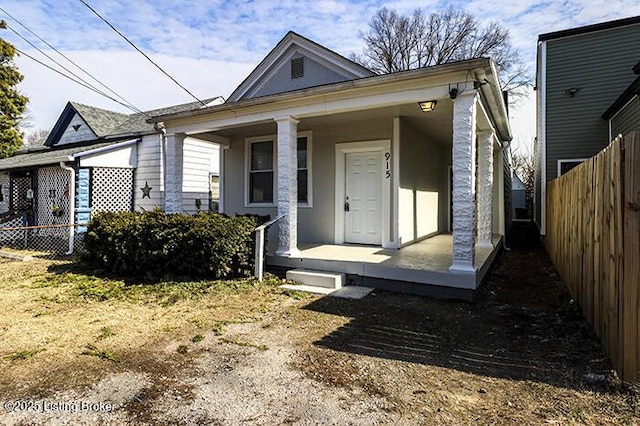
point(367, 172)
point(99, 160)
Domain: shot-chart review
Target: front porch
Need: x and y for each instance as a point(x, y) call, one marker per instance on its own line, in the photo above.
point(422, 268)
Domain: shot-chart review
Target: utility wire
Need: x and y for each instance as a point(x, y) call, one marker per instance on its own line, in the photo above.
point(141, 52)
point(77, 78)
point(131, 105)
point(72, 79)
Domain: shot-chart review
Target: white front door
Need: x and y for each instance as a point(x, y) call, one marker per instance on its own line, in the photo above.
point(363, 197)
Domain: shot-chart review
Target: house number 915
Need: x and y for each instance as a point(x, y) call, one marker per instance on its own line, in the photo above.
point(387, 172)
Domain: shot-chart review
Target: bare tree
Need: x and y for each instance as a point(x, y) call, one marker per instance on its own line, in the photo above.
point(36, 137)
point(522, 164)
point(397, 42)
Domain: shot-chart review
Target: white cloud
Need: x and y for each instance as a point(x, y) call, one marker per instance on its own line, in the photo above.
point(210, 46)
point(132, 77)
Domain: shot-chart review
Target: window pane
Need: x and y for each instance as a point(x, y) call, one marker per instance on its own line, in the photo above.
point(261, 187)
point(215, 188)
point(566, 166)
point(262, 155)
point(302, 153)
point(302, 186)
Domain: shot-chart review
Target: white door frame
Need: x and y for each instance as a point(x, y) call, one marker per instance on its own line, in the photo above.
point(387, 165)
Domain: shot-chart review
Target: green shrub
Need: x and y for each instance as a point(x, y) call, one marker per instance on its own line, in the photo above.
point(156, 245)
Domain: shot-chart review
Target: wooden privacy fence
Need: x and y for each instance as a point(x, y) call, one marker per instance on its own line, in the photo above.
point(593, 238)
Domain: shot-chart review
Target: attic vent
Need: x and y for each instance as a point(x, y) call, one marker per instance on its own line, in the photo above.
point(297, 67)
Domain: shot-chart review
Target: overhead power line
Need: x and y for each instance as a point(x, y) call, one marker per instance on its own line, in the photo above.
point(72, 79)
point(77, 78)
point(141, 52)
point(129, 104)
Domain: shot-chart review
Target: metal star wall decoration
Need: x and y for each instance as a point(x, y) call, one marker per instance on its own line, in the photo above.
point(146, 190)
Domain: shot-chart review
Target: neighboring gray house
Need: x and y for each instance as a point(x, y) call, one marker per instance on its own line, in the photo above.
point(99, 160)
point(580, 73)
point(366, 170)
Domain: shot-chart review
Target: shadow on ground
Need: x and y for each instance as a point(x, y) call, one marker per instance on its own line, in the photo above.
point(523, 325)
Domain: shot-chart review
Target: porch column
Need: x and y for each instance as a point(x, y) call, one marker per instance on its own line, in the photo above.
point(173, 172)
point(464, 189)
point(287, 186)
point(485, 189)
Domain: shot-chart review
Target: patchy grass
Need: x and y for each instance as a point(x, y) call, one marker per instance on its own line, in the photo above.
point(245, 343)
point(55, 304)
point(105, 354)
point(23, 354)
point(197, 338)
point(521, 354)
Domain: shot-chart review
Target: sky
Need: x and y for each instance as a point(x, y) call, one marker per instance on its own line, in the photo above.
point(210, 46)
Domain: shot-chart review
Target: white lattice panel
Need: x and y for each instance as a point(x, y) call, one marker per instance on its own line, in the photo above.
point(52, 200)
point(111, 189)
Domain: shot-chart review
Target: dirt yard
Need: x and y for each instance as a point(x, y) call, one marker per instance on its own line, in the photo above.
point(81, 348)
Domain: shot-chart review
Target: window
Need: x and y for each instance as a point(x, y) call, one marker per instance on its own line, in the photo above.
point(303, 171)
point(565, 165)
point(261, 172)
point(214, 193)
point(297, 67)
point(261, 186)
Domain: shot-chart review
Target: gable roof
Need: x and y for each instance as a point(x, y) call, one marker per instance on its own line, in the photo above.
point(332, 60)
point(483, 69)
point(107, 124)
point(590, 28)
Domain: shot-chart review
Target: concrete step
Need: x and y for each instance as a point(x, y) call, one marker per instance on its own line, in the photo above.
point(348, 292)
point(307, 288)
point(328, 280)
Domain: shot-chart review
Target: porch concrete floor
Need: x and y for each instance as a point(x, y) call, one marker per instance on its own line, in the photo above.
point(425, 262)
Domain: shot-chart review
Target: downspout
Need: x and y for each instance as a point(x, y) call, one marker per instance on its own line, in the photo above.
point(159, 127)
point(504, 146)
point(72, 204)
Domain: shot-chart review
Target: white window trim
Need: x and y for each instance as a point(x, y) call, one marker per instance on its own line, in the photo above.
point(568, 160)
point(247, 167)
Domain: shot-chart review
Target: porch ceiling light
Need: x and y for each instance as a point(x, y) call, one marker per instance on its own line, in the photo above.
point(427, 106)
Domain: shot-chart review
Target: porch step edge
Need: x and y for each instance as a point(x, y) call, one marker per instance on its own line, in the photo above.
point(307, 288)
point(328, 280)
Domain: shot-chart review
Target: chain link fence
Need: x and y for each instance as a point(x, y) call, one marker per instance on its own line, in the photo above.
point(46, 239)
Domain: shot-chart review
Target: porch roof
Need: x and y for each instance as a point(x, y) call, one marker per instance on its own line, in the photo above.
point(481, 71)
point(47, 156)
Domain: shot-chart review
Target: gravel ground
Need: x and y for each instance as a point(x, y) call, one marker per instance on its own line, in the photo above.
point(520, 354)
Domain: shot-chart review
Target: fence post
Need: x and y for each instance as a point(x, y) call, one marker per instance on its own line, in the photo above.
point(259, 259)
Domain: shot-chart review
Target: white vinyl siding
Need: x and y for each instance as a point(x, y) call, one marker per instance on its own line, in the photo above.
point(149, 171)
point(201, 159)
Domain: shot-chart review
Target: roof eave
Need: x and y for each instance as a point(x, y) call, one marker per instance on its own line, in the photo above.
point(492, 94)
point(622, 100)
point(329, 88)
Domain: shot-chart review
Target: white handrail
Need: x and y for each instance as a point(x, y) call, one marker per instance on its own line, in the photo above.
point(258, 268)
